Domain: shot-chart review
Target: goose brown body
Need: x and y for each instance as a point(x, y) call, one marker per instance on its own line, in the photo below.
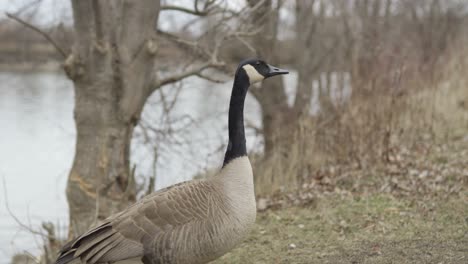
point(191, 222)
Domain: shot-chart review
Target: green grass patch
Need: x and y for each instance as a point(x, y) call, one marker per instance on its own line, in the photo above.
point(365, 229)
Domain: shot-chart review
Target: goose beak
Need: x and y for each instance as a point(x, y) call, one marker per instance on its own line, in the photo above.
point(275, 71)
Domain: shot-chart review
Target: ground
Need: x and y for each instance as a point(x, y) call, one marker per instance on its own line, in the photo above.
point(371, 229)
point(413, 209)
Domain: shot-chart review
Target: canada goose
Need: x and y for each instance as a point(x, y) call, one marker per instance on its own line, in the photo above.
point(191, 222)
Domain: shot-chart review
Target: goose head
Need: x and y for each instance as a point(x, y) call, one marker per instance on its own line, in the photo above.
point(257, 70)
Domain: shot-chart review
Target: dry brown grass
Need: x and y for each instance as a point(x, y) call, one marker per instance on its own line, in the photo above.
point(365, 132)
point(282, 171)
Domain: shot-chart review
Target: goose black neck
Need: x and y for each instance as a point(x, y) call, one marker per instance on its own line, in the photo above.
point(236, 147)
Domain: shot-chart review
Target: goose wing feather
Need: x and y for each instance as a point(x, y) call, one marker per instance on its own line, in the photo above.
point(129, 233)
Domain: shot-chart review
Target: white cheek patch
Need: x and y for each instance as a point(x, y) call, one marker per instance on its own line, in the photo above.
point(253, 74)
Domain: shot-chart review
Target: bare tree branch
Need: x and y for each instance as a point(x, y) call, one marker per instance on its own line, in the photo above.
point(185, 10)
point(221, 33)
point(209, 78)
point(152, 177)
point(194, 47)
point(187, 45)
point(27, 6)
point(248, 45)
point(38, 30)
point(193, 71)
point(207, 8)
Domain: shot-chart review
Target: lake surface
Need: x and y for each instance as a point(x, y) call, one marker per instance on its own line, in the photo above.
point(37, 143)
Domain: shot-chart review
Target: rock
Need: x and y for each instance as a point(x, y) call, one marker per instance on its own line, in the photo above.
point(292, 246)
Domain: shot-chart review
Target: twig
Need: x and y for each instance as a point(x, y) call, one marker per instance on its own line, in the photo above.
point(179, 76)
point(187, 45)
point(210, 55)
point(207, 8)
point(38, 30)
point(152, 179)
point(243, 41)
point(7, 206)
point(170, 107)
point(26, 6)
point(208, 78)
point(185, 10)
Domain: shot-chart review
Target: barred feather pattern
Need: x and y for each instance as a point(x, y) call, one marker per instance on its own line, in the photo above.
point(191, 222)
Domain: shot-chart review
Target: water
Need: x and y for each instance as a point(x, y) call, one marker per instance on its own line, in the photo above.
point(36, 146)
point(37, 141)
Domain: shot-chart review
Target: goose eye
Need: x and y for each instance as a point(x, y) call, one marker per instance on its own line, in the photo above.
point(257, 63)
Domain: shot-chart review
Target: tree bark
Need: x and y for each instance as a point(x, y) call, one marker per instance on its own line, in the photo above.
point(112, 68)
point(277, 115)
point(99, 183)
point(272, 96)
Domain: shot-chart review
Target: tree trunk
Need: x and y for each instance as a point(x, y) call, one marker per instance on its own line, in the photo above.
point(99, 182)
point(272, 100)
point(112, 68)
point(272, 96)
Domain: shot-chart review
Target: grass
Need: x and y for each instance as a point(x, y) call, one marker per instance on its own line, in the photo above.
point(365, 229)
point(418, 218)
point(412, 209)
